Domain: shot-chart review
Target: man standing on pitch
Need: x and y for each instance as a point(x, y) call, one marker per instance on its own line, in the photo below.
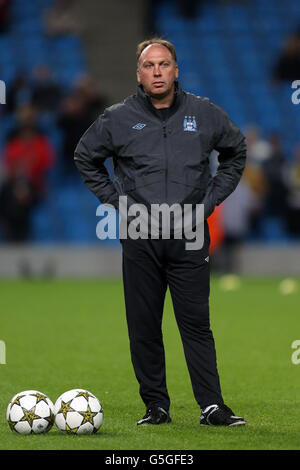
point(160, 140)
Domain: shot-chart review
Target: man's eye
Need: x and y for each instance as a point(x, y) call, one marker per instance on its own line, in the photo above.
point(148, 66)
point(165, 64)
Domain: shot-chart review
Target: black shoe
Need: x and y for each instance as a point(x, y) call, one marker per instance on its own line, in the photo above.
point(155, 415)
point(220, 415)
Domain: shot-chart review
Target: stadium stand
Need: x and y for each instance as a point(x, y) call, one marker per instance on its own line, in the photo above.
point(226, 52)
point(23, 49)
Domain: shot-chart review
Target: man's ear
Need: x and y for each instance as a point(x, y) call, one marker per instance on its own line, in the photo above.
point(138, 76)
point(177, 71)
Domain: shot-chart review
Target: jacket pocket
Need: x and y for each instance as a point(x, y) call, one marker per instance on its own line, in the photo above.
point(192, 179)
point(187, 188)
point(147, 188)
point(143, 180)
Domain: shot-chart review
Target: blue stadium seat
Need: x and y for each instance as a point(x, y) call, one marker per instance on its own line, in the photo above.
point(273, 229)
point(44, 226)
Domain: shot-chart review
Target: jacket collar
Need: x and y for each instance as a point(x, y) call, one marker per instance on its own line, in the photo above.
point(145, 99)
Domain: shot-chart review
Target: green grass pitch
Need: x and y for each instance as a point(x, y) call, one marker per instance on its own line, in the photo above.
point(63, 334)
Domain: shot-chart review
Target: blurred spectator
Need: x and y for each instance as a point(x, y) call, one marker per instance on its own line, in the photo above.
point(293, 213)
point(238, 210)
point(18, 93)
point(42, 91)
point(17, 199)
point(28, 154)
point(258, 149)
point(274, 168)
point(95, 102)
point(258, 152)
point(59, 19)
point(78, 112)
point(287, 67)
point(46, 93)
point(5, 16)
point(73, 122)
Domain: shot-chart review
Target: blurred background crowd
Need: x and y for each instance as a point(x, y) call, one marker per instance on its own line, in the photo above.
point(243, 55)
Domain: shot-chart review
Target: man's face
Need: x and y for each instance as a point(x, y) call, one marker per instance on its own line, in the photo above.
point(157, 71)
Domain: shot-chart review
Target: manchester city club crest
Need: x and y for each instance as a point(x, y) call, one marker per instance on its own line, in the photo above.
point(189, 124)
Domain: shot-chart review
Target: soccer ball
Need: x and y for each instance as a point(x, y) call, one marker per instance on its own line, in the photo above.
point(78, 412)
point(30, 412)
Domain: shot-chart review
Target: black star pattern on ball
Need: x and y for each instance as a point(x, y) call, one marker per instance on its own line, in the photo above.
point(86, 395)
point(17, 400)
point(29, 416)
point(88, 416)
point(70, 430)
point(65, 407)
point(39, 397)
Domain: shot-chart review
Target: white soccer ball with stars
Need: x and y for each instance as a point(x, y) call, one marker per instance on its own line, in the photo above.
point(78, 411)
point(30, 412)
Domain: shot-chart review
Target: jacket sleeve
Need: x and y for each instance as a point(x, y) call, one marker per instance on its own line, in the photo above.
point(90, 154)
point(231, 145)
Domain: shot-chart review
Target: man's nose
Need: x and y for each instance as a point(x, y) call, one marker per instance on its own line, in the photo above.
point(156, 70)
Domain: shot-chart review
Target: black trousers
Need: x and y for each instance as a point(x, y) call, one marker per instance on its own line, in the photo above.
point(149, 268)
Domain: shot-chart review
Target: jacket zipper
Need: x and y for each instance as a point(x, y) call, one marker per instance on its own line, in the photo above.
point(166, 158)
